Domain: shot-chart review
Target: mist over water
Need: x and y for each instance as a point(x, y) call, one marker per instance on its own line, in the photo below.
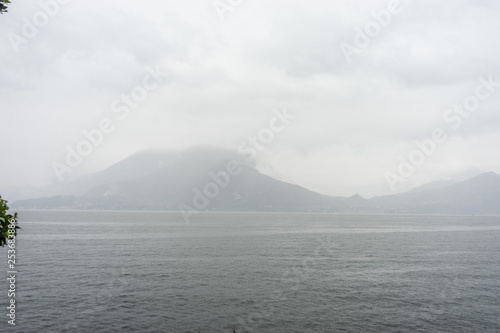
point(149, 272)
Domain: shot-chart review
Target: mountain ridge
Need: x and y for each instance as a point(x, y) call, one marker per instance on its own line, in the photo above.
point(201, 179)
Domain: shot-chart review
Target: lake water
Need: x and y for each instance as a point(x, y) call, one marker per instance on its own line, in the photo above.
point(150, 272)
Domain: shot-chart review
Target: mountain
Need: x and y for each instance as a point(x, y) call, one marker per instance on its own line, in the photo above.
point(478, 195)
point(195, 179)
point(209, 179)
point(439, 184)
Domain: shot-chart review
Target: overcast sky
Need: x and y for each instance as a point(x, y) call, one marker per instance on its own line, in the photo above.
point(360, 102)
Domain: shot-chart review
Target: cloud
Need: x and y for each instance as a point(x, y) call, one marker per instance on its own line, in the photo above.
point(226, 77)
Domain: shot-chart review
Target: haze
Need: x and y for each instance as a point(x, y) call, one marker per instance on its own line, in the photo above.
point(217, 82)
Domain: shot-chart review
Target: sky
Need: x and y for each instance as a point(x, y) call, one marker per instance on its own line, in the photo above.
point(378, 96)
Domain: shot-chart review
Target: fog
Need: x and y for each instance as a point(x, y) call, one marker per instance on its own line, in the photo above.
point(366, 89)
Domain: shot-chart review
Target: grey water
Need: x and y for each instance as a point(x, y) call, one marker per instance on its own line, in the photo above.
point(90, 271)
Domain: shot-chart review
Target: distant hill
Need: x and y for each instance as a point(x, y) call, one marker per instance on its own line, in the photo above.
point(200, 179)
point(478, 195)
point(177, 181)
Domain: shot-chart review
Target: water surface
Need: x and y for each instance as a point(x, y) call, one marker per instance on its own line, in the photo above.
point(150, 272)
